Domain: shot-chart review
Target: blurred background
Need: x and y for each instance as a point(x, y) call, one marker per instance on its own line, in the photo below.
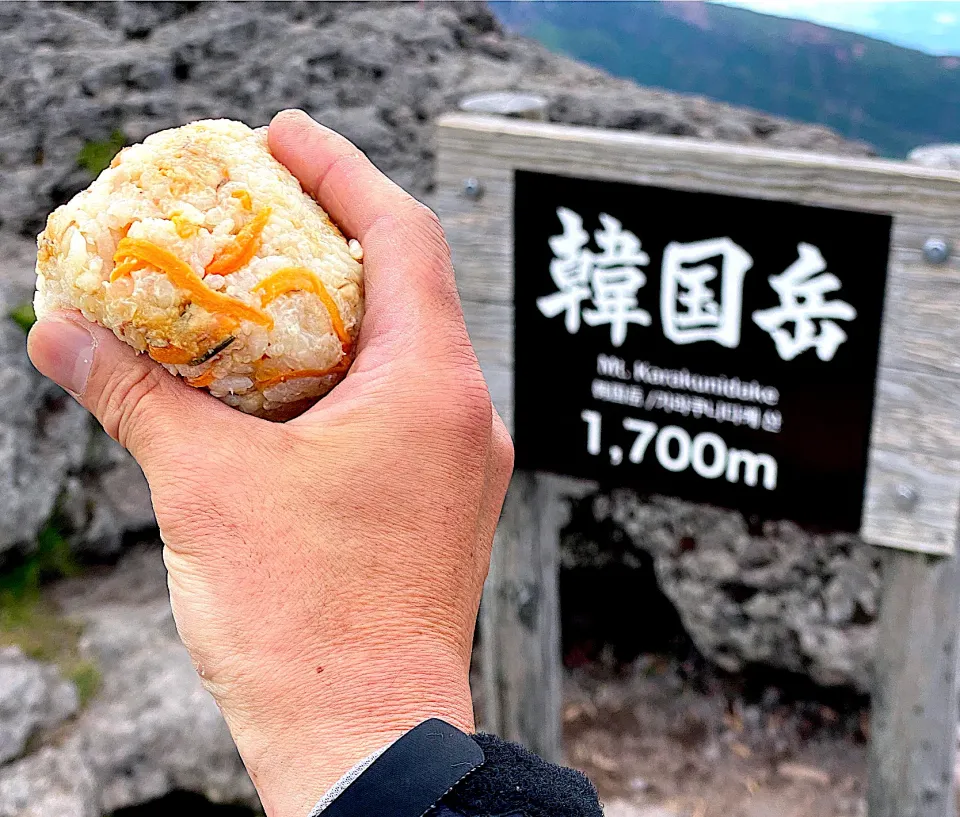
point(715, 663)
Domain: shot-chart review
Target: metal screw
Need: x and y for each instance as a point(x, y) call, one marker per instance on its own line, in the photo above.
point(472, 188)
point(936, 250)
point(906, 496)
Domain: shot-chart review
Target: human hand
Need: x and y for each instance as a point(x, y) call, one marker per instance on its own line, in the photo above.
point(325, 573)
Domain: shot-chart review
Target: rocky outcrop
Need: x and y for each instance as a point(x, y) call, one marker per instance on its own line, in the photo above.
point(777, 596)
point(54, 460)
point(151, 729)
point(75, 74)
point(43, 432)
point(33, 698)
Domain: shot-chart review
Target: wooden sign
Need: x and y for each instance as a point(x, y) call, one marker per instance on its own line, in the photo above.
point(851, 231)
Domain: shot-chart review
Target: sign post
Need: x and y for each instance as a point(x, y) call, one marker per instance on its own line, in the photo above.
point(763, 330)
point(913, 741)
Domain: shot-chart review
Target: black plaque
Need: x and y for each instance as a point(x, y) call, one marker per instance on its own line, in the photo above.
point(715, 348)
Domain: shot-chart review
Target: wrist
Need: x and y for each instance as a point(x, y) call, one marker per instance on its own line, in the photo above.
point(320, 727)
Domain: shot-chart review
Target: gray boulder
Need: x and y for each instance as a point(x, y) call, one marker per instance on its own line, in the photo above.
point(43, 437)
point(779, 596)
point(152, 729)
point(75, 74)
point(33, 698)
point(53, 457)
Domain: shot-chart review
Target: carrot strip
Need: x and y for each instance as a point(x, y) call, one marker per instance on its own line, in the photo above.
point(169, 354)
point(247, 242)
point(300, 279)
point(340, 368)
point(203, 380)
point(182, 274)
point(125, 267)
point(244, 198)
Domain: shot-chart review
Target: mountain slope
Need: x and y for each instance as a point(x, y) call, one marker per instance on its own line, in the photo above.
point(890, 96)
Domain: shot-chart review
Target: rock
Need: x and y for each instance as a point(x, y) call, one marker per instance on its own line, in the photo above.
point(52, 781)
point(151, 729)
point(779, 597)
point(381, 73)
point(43, 437)
point(50, 450)
point(33, 697)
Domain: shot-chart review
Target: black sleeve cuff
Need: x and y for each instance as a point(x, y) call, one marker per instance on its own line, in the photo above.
point(435, 770)
point(514, 782)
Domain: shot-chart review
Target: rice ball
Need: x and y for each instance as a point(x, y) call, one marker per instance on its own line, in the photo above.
point(200, 249)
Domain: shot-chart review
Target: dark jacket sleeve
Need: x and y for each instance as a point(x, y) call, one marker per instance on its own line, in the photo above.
point(513, 782)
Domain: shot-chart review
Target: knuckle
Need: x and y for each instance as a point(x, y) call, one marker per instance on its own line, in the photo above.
point(126, 399)
point(470, 402)
point(428, 228)
point(503, 450)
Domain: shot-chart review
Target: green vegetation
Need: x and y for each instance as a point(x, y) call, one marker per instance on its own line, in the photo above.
point(23, 316)
point(894, 98)
point(30, 622)
point(95, 157)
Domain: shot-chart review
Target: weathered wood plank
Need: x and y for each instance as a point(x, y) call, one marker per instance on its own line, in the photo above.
point(926, 524)
point(917, 412)
point(520, 615)
point(807, 178)
point(491, 332)
point(921, 331)
point(914, 702)
point(913, 742)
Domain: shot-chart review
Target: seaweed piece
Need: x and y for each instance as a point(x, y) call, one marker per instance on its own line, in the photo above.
point(216, 350)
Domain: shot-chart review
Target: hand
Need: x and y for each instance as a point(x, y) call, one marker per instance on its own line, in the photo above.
point(325, 573)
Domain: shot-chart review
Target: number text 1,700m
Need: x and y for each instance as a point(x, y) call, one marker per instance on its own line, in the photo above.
point(675, 450)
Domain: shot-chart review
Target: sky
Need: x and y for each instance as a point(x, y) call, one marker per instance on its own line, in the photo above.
point(927, 25)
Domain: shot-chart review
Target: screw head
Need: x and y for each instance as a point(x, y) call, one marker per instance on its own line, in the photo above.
point(936, 250)
point(906, 496)
point(472, 188)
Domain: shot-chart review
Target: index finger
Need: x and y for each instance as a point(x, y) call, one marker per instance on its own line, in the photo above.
point(407, 268)
point(336, 173)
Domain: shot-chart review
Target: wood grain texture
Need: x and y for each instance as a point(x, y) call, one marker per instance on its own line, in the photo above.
point(912, 750)
point(914, 701)
point(520, 614)
point(918, 395)
point(692, 164)
point(491, 332)
point(925, 527)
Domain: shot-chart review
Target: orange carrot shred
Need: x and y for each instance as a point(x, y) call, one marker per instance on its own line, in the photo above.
point(243, 248)
point(203, 380)
point(125, 267)
point(244, 198)
point(169, 354)
point(182, 274)
point(340, 368)
point(300, 279)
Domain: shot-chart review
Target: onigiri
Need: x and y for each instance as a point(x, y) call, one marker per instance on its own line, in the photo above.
point(198, 248)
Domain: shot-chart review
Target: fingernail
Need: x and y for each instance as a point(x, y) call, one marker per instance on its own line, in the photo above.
point(63, 351)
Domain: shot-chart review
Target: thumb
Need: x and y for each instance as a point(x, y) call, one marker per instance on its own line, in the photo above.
point(138, 403)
